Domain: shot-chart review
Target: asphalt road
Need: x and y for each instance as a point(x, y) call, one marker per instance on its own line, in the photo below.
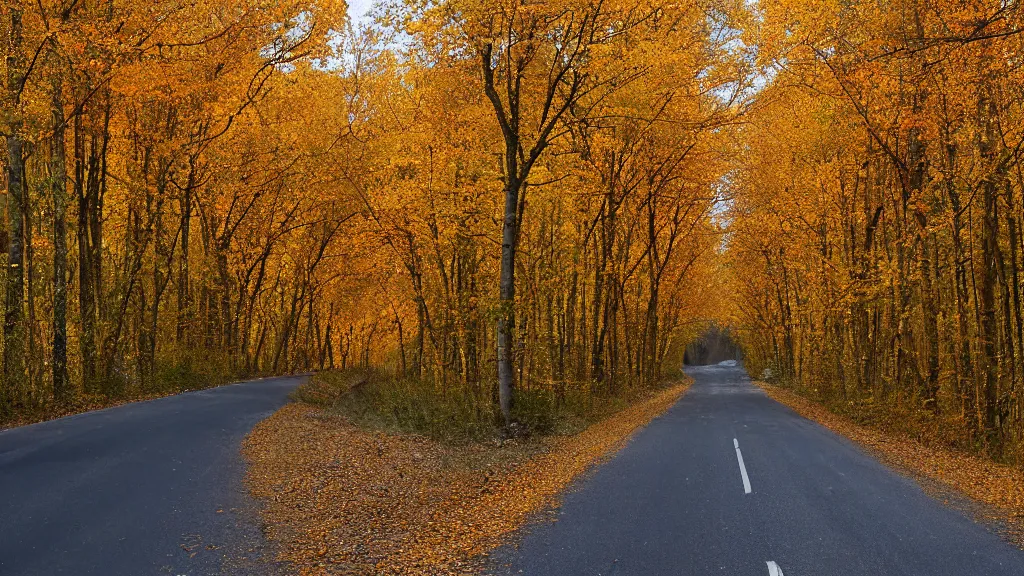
point(674, 502)
point(147, 488)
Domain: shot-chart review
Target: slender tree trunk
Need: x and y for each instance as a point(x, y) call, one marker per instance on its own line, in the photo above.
point(403, 367)
point(507, 295)
point(184, 299)
point(989, 250)
point(14, 322)
point(62, 390)
point(86, 292)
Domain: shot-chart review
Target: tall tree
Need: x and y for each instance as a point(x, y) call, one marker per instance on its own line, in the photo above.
point(14, 312)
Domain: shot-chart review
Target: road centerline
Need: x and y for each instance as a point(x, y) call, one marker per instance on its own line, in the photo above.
point(743, 469)
point(667, 503)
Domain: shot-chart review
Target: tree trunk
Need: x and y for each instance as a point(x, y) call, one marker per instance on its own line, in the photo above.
point(184, 299)
point(14, 322)
point(62, 390)
point(86, 292)
point(507, 295)
point(989, 250)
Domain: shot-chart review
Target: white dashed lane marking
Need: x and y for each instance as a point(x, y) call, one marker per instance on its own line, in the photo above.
point(743, 470)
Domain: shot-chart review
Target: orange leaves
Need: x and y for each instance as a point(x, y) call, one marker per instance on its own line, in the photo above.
point(344, 500)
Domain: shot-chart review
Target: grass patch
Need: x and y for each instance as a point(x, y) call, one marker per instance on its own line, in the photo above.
point(192, 372)
point(173, 374)
point(902, 414)
point(341, 499)
point(377, 400)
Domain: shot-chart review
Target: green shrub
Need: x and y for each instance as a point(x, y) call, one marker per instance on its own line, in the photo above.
point(193, 370)
point(375, 399)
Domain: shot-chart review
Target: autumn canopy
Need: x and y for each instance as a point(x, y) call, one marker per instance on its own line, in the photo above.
point(496, 196)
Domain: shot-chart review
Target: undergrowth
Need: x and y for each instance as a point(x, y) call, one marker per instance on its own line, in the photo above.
point(378, 400)
point(903, 415)
point(172, 374)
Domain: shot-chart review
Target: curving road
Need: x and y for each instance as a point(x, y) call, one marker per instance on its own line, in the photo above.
point(726, 482)
point(731, 482)
point(147, 488)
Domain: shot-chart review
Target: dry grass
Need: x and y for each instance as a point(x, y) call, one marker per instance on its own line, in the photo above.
point(185, 373)
point(376, 400)
point(340, 499)
point(998, 487)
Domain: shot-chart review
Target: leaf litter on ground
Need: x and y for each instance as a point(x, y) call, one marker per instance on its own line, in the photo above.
point(340, 499)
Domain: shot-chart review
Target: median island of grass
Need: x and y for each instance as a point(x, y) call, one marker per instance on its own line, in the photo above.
point(367, 474)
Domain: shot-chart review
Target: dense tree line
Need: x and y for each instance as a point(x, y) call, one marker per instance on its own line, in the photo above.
point(877, 239)
point(543, 147)
point(469, 193)
point(149, 189)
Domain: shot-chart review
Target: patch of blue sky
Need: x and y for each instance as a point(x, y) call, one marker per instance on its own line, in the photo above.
point(359, 10)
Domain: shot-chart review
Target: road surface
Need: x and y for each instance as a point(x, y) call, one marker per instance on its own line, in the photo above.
point(147, 488)
point(731, 482)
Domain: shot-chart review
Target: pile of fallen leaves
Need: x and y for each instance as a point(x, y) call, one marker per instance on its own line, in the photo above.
point(339, 499)
point(999, 487)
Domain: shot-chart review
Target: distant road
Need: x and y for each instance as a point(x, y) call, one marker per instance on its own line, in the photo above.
point(729, 482)
point(147, 488)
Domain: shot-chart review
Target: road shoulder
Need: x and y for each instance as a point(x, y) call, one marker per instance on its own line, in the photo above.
point(992, 493)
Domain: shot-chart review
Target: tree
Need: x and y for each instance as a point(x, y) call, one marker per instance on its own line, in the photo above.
point(14, 321)
point(888, 271)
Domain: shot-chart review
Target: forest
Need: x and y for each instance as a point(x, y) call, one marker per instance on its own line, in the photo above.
point(214, 190)
point(499, 196)
point(876, 240)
